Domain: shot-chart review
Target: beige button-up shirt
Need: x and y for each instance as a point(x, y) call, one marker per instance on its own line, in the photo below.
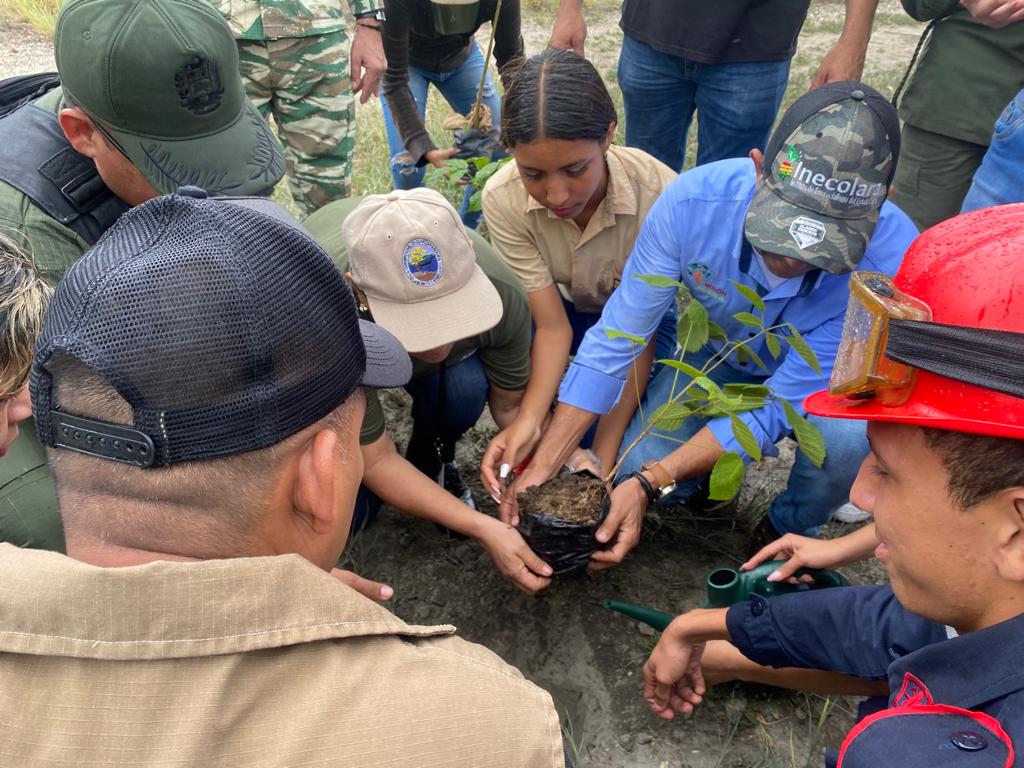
point(543, 249)
point(247, 662)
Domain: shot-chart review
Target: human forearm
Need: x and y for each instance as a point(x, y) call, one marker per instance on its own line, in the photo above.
point(860, 15)
point(504, 404)
point(723, 662)
point(548, 357)
point(696, 457)
point(398, 483)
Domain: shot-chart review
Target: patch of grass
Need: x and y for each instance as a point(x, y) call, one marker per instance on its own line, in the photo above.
point(40, 14)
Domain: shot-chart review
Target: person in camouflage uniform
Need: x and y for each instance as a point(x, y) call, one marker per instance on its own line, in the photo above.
point(776, 239)
point(303, 63)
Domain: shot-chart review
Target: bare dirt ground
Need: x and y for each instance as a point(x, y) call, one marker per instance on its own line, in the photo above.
point(588, 658)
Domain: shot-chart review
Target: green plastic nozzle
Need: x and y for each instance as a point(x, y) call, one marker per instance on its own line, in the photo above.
point(649, 616)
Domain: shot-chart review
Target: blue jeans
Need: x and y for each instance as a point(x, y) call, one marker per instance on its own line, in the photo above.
point(435, 424)
point(736, 104)
point(811, 493)
point(459, 89)
point(998, 179)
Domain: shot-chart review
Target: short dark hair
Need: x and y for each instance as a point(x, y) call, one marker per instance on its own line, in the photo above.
point(556, 95)
point(979, 466)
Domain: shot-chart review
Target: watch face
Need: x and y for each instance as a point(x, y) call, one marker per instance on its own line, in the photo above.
point(667, 491)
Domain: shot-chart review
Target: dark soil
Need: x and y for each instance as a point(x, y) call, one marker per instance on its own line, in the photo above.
point(574, 498)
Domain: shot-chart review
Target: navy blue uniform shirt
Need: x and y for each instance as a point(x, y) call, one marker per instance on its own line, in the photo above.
point(952, 701)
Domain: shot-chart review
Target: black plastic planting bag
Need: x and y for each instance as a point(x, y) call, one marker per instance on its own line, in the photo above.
point(472, 142)
point(564, 545)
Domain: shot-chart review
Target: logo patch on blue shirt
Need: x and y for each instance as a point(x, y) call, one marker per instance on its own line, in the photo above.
point(422, 263)
point(700, 274)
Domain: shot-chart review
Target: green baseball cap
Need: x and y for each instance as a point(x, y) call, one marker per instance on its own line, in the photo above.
point(161, 78)
point(827, 170)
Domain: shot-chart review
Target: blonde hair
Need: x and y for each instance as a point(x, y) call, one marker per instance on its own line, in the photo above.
point(23, 300)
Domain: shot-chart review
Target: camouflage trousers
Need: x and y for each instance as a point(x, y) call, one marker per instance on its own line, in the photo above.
point(304, 83)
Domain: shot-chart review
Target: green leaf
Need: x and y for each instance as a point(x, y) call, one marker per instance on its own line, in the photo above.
point(808, 438)
point(715, 331)
point(747, 391)
point(670, 416)
point(750, 294)
point(797, 342)
point(476, 202)
point(745, 438)
point(612, 333)
point(750, 396)
point(487, 171)
point(693, 326)
point(659, 281)
point(772, 342)
point(708, 386)
point(679, 365)
point(748, 319)
point(726, 476)
point(480, 162)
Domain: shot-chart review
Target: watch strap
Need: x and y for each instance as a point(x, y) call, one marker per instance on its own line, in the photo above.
point(661, 475)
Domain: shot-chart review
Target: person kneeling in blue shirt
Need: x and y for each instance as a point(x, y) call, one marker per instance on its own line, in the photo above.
point(933, 365)
point(791, 226)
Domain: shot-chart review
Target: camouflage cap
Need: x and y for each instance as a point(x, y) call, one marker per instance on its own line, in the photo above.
point(826, 173)
point(160, 78)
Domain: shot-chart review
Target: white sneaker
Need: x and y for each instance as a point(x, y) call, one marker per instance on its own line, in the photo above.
point(850, 513)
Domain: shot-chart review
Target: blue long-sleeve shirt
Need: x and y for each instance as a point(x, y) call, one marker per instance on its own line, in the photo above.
point(694, 233)
point(952, 701)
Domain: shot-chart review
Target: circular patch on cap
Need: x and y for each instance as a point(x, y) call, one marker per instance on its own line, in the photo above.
point(422, 262)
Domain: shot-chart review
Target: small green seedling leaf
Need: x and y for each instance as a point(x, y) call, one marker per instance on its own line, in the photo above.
point(798, 343)
point(748, 319)
point(772, 342)
point(476, 202)
point(726, 476)
point(659, 281)
point(745, 438)
point(686, 368)
point(612, 333)
point(750, 294)
point(670, 416)
point(715, 331)
point(808, 438)
point(480, 162)
point(708, 386)
point(693, 327)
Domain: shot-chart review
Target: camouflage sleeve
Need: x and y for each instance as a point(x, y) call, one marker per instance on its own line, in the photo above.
point(366, 6)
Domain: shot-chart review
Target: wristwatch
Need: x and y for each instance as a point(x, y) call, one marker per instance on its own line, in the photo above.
point(664, 483)
point(377, 15)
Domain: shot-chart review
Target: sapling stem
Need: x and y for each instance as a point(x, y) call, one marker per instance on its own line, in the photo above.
point(474, 114)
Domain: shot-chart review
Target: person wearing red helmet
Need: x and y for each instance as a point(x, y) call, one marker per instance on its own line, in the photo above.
point(932, 360)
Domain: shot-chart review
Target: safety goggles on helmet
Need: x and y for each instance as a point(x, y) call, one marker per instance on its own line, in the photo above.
point(888, 336)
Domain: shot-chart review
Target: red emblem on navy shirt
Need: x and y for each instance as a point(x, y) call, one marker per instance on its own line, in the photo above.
point(914, 693)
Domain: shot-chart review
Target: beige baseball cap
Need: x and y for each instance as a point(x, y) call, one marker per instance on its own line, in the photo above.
point(409, 253)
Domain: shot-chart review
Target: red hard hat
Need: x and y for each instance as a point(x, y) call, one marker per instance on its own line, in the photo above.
point(970, 271)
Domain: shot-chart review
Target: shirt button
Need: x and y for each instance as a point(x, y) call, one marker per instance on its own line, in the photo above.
point(969, 741)
point(757, 607)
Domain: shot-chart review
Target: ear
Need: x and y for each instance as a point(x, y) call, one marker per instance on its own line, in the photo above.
point(313, 493)
point(81, 132)
point(758, 158)
point(1010, 533)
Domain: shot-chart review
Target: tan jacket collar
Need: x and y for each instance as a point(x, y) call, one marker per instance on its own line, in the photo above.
point(53, 605)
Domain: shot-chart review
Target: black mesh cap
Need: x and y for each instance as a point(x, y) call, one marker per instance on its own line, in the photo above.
point(222, 323)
